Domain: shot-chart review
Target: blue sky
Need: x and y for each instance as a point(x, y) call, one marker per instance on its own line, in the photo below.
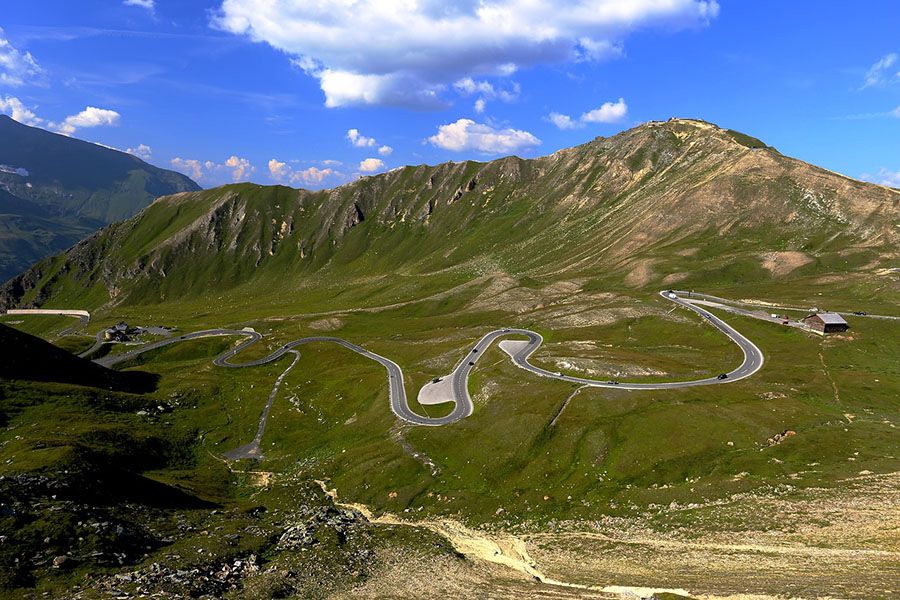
point(313, 94)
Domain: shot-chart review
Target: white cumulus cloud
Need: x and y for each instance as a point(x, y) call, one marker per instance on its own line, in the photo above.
point(370, 165)
point(599, 49)
point(884, 177)
point(311, 176)
point(466, 134)
point(91, 116)
point(882, 71)
point(191, 167)
point(240, 168)
point(414, 50)
point(278, 170)
point(563, 121)
point(16, 109)
point(17, 68)
point(145, 4)
point(208, 171)
point(359, 140)
point(143, 151)
point(486, 91)
point(608, 112)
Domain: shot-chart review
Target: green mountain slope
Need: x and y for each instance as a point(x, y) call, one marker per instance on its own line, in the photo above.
point(28, 358)
point(56, 190)
point(416, 265)
point(681, 201)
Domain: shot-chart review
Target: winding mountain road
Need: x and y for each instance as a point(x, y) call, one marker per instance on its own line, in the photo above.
point(518, 350)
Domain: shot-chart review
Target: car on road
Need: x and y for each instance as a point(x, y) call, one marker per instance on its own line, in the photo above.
point(471, 364)
point(859, 313)
point(474, 349)
point(436, 380)
point(612, 382)
point(558, 374)
point(722, 376)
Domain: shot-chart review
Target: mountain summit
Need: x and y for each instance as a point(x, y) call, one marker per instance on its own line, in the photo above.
point(633, 209)
point(56, 190)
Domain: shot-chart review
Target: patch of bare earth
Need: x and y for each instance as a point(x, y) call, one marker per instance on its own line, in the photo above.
point(782, 263)
point(504, 292)
point(328, 324)
point(674, 278)
point(598, 368)
point(578, 316)
point(816, 543)
point(842, 543)
point(641, 274)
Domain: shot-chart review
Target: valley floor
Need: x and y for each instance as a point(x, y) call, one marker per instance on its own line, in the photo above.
point(842, 542)
point(784, 484)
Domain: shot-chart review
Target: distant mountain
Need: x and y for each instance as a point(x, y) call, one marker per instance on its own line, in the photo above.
point(681, 201)
point(56, 190)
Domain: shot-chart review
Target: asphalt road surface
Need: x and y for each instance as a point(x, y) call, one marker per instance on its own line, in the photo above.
point(753, 361)
point(758, 306)
point(396, 387)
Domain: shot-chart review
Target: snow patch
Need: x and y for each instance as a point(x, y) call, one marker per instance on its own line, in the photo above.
point(14, 170)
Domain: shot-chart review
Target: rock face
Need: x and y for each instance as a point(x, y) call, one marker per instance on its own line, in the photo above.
point(634, 207)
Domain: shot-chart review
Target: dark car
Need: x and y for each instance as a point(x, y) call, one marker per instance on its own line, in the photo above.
point(436, 380)
point(612, 382)
point(474, 349)
point(471, 364)
point(723, 376)
point(860, 313)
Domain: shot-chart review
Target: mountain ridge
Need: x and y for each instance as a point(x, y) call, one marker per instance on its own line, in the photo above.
point(624, 205)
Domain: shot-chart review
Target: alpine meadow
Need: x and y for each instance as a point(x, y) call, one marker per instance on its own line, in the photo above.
point(438, 356)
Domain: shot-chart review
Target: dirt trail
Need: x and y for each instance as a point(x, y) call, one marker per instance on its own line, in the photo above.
point(502, 549)
point(494, 547)
point(684, 545)
point(800, 561)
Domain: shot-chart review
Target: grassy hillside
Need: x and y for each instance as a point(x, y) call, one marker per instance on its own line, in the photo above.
point(28, 358)
point(680, 201)
point(56, 190)
point(101, 490)
point(418, 263)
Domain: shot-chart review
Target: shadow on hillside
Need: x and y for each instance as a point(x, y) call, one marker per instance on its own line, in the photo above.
point(29, 358)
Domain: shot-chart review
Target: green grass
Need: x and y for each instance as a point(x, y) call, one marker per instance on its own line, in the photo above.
point(746, 140)
point(609, 449)
point(500, 255)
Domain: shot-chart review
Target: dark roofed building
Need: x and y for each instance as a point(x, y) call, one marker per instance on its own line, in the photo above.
point(827, 322)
